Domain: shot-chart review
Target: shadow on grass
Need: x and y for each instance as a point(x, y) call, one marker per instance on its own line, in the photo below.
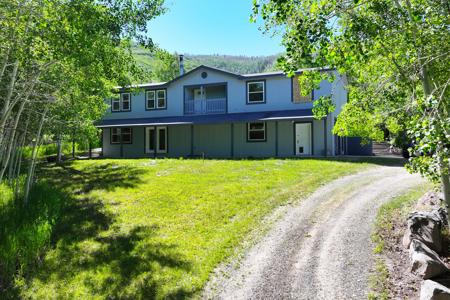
point(88, 249)
point(106, 176)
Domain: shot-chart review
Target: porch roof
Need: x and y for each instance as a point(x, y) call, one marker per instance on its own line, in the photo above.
point(210, 119)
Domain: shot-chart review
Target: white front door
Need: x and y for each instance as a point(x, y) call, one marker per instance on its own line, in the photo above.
point(303, 139)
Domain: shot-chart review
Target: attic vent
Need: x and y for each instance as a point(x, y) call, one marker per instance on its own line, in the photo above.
point(204, 75)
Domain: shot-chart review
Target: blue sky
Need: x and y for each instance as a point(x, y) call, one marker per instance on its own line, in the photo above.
point(211, 27)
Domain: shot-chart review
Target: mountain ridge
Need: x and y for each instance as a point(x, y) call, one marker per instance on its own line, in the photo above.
point(240, 64)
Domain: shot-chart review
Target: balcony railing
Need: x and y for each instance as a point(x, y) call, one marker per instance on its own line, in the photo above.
point(205, 106)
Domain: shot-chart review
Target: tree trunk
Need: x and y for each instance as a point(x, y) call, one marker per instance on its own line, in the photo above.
point(18, 165)
point(443, 167)
point(13, 158)
point(73, 148)
point(445, 179)
point(33, 158)
point(59, 155)
point(444, 170)
point(6, 106)
point(12, 141)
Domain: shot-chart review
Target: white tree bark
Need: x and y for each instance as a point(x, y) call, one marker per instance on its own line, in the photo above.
point(6, 105)
point(12, 140)
point(31, 168)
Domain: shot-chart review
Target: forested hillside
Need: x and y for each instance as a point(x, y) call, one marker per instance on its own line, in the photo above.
point(237, 64)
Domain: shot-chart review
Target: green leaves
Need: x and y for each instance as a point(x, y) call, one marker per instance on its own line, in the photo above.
point(322, 107)
point(70, 55)
point(395, 55)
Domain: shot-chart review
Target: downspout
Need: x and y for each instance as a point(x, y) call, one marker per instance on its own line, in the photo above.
point(192, 140)
point(276, 138)
point(121, 143)
point(101, 141)
point(154, 142)
point(232, 140)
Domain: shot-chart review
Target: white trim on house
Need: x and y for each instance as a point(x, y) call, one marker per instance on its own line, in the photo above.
point(253, 130)
point(263, 92)
point(122, 101)
point(156, 139)
point(164, 98)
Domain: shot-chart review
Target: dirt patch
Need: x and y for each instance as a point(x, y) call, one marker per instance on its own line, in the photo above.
point(402, 284)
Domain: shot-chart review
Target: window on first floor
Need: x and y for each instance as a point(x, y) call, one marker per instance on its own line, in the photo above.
point(156, 139)
point(256, 132)
point(122, 135)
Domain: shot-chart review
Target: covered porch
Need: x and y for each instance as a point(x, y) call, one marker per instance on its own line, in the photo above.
point(223, 136)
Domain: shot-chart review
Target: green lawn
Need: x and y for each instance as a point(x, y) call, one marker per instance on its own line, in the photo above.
point(146, 229)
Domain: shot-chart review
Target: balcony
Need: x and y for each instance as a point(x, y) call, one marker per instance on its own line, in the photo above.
point(205, 99)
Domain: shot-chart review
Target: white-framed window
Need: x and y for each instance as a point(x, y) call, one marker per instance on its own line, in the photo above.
point(125, 98)
point(156, 139)
point(127, 135)
point(256, 92)
point(256, 132)
point(115, 104)
point(156, 99)
point(115, 135)
point(161, 97)
point(122, 135)
point(121, 103)
point(151, 99)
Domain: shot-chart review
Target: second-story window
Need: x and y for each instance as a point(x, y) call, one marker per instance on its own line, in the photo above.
point(297, 93)
point(256, 92)
point(122, 103)
point(156, 99)
point(115, 104)
point(125, 99)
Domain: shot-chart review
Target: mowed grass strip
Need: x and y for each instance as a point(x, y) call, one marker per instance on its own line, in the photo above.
point(142, 229)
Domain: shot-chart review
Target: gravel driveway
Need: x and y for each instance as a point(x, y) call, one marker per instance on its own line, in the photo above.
point(321, 248)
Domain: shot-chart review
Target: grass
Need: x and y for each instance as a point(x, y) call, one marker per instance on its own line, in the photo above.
point(393, 212)
point(25, 233)
point(141, 229)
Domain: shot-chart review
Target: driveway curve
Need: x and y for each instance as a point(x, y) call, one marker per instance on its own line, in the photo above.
point(321, 248)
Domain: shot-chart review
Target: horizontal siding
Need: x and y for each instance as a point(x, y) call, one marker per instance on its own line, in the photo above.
point(278, 96)
point(218, 141)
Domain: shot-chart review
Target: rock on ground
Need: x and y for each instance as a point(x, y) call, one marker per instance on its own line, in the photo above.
point(425, 227)
point(425, 262)
point(431, 290)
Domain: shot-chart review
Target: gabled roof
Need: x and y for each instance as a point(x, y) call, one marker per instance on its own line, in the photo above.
point(238, 76)
point(207, 68)
point(162, 84)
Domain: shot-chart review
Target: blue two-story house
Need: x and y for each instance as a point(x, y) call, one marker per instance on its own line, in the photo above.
point(214, 113)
